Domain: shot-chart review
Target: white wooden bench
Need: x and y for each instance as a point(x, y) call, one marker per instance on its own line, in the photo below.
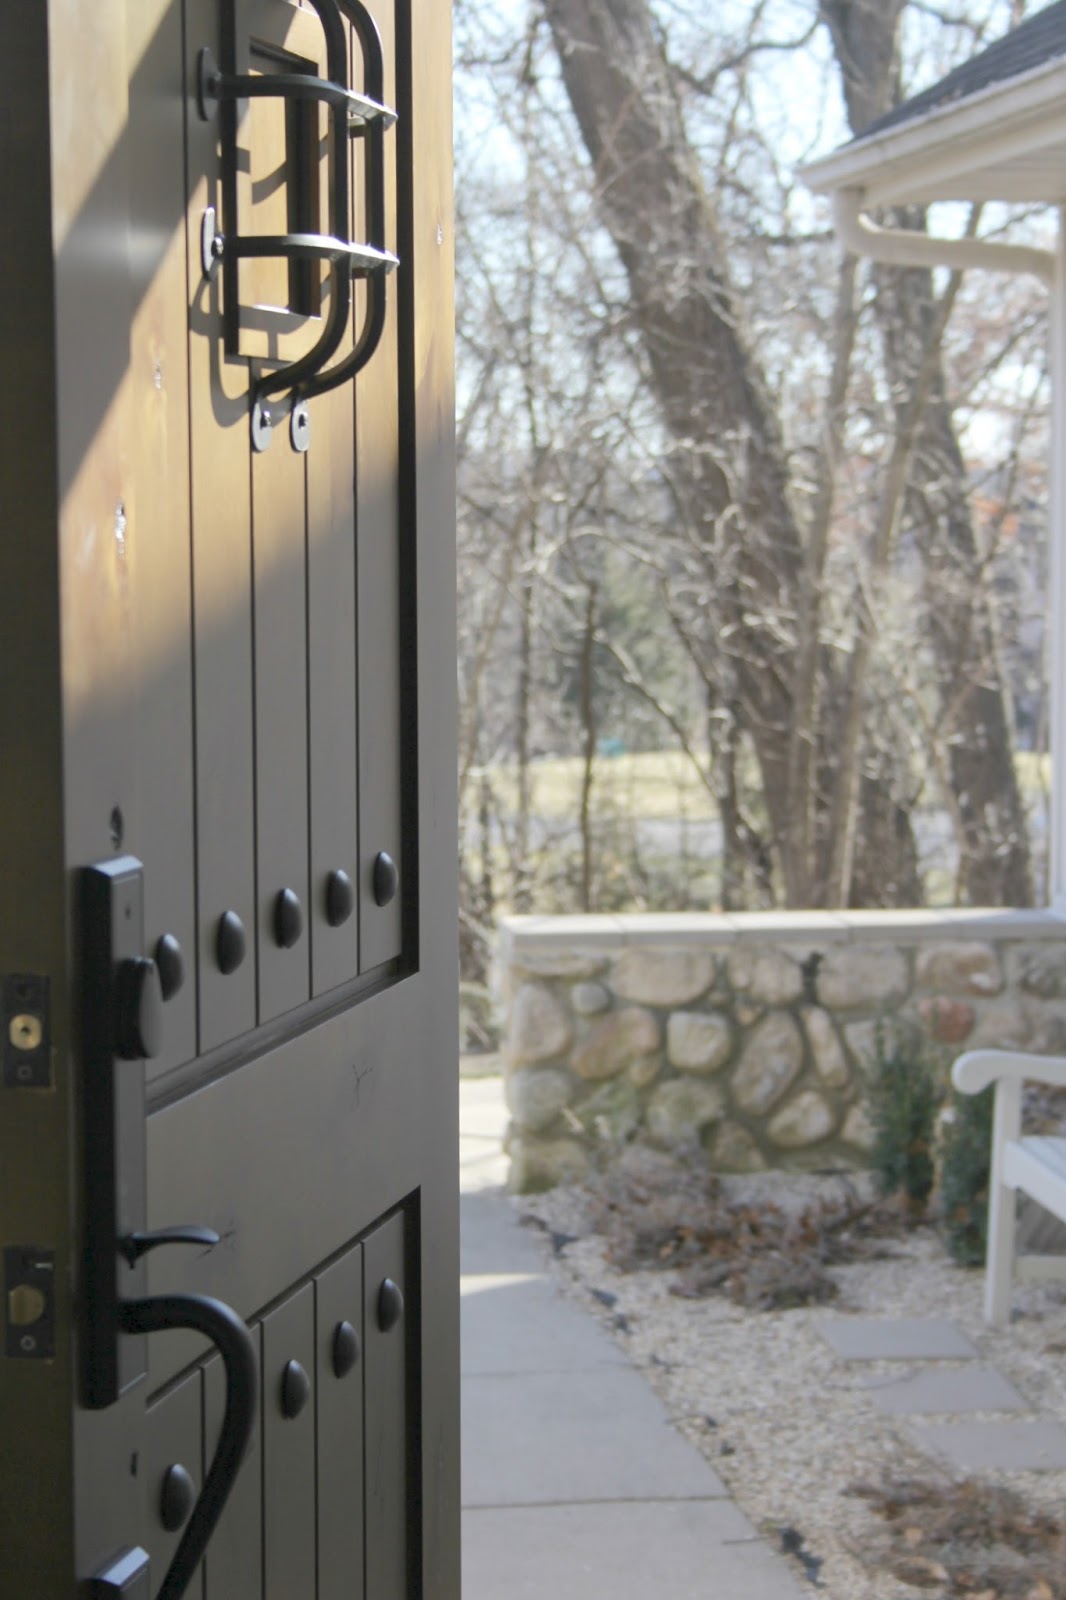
point(1036, 1164)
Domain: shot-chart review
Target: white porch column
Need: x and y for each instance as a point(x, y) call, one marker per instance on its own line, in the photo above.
point(1056, 618)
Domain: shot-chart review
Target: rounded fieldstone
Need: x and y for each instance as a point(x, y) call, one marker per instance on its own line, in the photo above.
point(1042, 972)
point(949, 1021)
point(771, 1061)
point(615, 1043)
point(731, 1148)
point(662, 977)
point(536, 1095)
point(1048, 1032)
point(538, 1164)
point(645, 1070)
point(767, 976)
point(850, 976)
point(538, 1027)
point(858, 1130)
point(805, 1120)
point(698, 1041)
point(680, 1108)
point(589, 999)
point(999, 1027)
point(960, 968)
point(861, 1039)
point(829, 1059)
point(611, 1112)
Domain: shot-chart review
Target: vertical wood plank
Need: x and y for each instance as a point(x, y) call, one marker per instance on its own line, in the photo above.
point(174, 1438)
point(161, 828)
point(332, 685)
point(387, 1487)
point(288, 1455)
point(90, 199)
point(279, 513)
point(339, 1298)
point(221, 518)
point(379, 576)
point(234, 1560)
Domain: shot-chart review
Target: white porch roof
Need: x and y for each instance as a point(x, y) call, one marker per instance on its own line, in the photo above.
point(1001, 140)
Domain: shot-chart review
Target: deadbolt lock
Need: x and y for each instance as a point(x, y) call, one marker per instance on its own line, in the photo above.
point(24, 1036)
point(25, 1031)
point(25, 1305)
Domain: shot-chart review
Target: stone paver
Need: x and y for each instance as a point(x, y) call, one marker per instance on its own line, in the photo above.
point(549, 1437)
point(903, 1339)
point(575, 1484)
point(513, 1324)
point(1000, 1446)
point(945, 1390)
point(694, 1550)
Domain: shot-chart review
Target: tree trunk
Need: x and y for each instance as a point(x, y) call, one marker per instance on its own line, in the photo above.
point(975, 720)
point(730, 460)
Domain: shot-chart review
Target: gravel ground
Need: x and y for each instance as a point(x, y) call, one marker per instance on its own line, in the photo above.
point(783, 1420)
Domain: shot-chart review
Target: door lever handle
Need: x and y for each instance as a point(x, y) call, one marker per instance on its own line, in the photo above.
point(227, 1332)
point(134, 1245)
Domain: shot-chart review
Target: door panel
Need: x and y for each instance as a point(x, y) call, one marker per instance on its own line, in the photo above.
point(240, 681)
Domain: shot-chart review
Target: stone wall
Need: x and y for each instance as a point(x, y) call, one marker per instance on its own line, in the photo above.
point(748, 1035)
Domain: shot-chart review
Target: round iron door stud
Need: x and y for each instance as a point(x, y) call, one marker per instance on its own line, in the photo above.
point(295, 1389)
point(176, 1498)
point(288, 919)
point(390, 1305)
point(171, 964)
point(345, 1349)
point(229, 942)
point(386, 878)
point(139, 1010)
point(340, 898)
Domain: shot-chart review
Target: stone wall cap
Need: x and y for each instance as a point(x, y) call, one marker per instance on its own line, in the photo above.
point(693, 928)
point(955, 922)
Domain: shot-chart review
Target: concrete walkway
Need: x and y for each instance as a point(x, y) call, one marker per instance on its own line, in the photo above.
point(575, 1484)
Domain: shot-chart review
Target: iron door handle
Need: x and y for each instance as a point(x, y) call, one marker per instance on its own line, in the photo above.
point(351, 114)
point(228, 1333)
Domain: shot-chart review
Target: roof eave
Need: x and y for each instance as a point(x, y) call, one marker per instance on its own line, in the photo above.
point(936, 148)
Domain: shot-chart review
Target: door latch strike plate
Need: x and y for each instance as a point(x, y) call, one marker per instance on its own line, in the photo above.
point(27, 1041)
point(29, 1303)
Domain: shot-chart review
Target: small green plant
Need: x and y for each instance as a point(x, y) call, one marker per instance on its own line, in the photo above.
point(964, 1175)
point(903, 1099)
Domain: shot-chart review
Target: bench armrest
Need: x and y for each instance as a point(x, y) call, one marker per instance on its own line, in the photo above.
point(976, 1069)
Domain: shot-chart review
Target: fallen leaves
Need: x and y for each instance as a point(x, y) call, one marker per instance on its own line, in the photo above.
point(762, 1256)
point(966, 1539)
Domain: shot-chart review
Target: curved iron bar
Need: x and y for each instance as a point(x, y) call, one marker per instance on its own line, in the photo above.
point(363, 260)
point(374, 321)
point(231, 1338)
point(340, 300)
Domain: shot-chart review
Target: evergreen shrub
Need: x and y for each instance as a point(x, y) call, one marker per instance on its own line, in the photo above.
point(965, 1168)
point(904, 1097)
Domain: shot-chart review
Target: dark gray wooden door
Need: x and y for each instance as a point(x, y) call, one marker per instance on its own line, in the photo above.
point(227, 915)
